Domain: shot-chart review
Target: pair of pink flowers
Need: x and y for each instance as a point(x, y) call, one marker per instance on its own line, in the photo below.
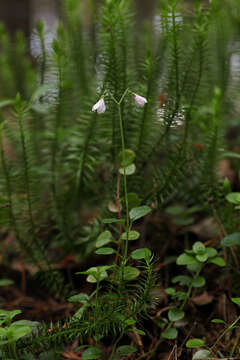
point(100, 106)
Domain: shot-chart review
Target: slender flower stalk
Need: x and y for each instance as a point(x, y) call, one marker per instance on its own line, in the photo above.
point(101, 108)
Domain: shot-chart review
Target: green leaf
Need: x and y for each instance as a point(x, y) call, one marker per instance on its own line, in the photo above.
point(194, 209)
point(218, 261)
point(231, 240)
point(6, 282)
point(128, 170)
point(95, 274)
point(218, 321)
point(175, 210)
point(199, 248)
point(130, 273)
point(198, 281)
point(184, 221)
point(181, 295)
point(132, 235)
point(236, 300)
point(193, 343)
point(6, 314)
point(82, 298)
point(170, 291)
point(211, 252)
point(92, 353)
point(105, 251)
point(175, 314)
point(233, 198)
point(104, 238)
point(125, 350)
point(138, 212)
point(126, 157)
point(185, 259)
point(202, 354)
point(194, 267)
point(202, 258)
point(78, 315)
point(182, 280)
point(113, 220)
point(170, 333)
point(143, 253)
point(16, 332)
point(138, 331)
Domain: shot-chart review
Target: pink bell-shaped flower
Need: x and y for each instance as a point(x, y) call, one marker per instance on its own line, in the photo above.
point(100, 106)
point(140, 100)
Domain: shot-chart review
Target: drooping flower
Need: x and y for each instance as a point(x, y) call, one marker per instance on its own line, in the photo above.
point(140, 100)
point(100, 106)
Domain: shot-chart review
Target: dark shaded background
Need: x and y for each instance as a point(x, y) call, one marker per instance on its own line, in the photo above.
point(22, 14)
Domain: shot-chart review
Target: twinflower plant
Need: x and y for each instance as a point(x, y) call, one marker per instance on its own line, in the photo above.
point(120, 301)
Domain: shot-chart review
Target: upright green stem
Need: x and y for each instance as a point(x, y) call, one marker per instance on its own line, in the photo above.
point(118, 103)
point(26, 170)
point(115, 345)
point(96, 301)
point(190, 290)
point(124, 176)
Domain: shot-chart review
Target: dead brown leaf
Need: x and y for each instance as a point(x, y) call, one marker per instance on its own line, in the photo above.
point(203, 299)
point(205, 229)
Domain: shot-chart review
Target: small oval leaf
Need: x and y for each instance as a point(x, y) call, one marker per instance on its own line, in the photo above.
point(193, 343)
point(199, 248)
point(185, 259)
point(218, 261)
point(143, 253)
point(182, 280)
point(128, 170)
point(170, 333)
point(231, 240)
point(105, 251)
point(233, 198)
point(218, 321)
point(198, 281)
point(82, 298)
point(130, 273)
point(126, 157)
point(236, 300)
point(175, 314)
point(138, 212)
point(125, 350)
point(112, 220)
point(92, 353)
point(202, 257)
point(104, 238)
point(132, 235)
